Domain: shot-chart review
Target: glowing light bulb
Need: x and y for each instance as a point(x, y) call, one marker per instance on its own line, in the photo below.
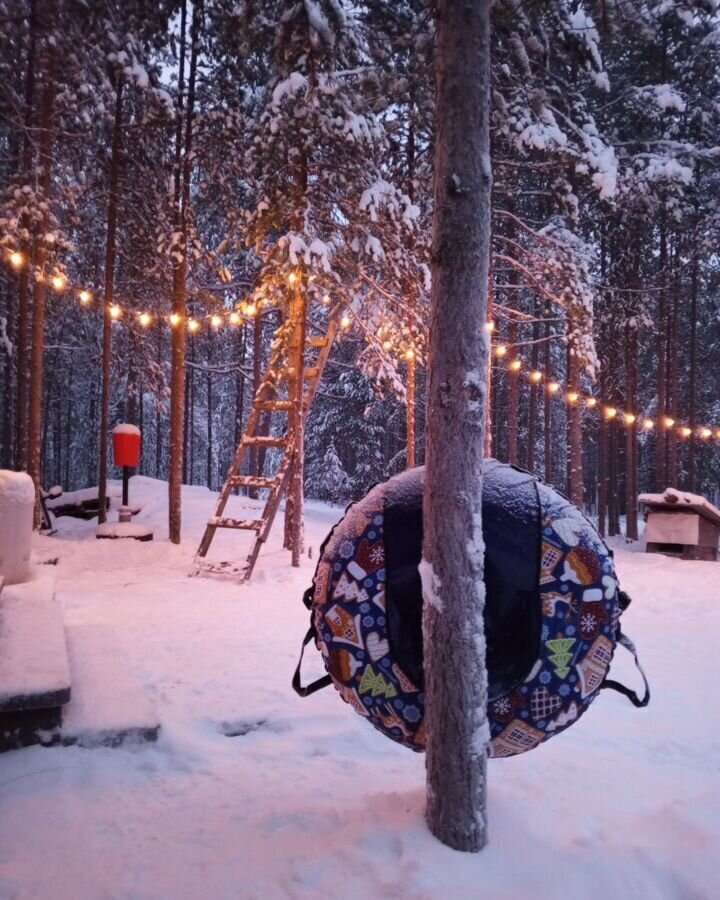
point(705, 433)
point(668, 422)
point(516, 365)
point(591, 403)
point(145, 319)
point(17, 260)
point(572, 397)
point(215, 321)
point(251, 310)
point(193, 325)
point(345, 321)
point(387, 345)
point(292, 278)
point(629, 418)
point(553, 387)
point(648, 424)
point(175, 319)
point(717, 434)
point(85, 296)
point(610, 412)
point(234, 318)
point(500, 350)
point(685, 431)
point(326, 299)
point(536, 376)
point(115, 312)
point(410, 354)
point(59, 282)
point(489, 327)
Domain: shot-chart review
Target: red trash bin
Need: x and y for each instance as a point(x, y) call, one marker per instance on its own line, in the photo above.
point(126, 446)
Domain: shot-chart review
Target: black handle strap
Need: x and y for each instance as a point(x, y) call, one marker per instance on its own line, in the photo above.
point(625, 642)
point(305, 690)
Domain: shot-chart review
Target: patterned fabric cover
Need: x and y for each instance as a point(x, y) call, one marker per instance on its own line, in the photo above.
point(580, 612)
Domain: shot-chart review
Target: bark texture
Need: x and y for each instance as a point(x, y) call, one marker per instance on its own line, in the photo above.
point(456, 679)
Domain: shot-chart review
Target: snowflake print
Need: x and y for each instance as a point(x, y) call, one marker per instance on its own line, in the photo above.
point(377, 555)
point(503, 707)
point(588, 622)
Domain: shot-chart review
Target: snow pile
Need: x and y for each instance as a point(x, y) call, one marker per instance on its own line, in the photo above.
point(306, 800)
point(16, 488)
point(126, 428)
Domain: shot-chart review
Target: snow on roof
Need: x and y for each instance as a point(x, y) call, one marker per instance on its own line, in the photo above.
point(126, 428)
point(16, 488)
point(674, 499)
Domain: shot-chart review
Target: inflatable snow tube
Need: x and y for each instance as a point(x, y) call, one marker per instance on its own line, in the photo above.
point(551, 618)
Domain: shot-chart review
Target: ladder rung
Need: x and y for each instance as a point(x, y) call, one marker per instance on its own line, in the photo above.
point(311, 373)
point(264, 441)
point(252, 481)
point(317, 342)
point(274, 405)
point(231, 569)
point(227, 522)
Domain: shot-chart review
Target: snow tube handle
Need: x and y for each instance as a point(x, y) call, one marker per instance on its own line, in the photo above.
point(307, 689)
point(624, 641)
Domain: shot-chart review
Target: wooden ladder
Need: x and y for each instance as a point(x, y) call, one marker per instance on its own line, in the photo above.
point(268, 399)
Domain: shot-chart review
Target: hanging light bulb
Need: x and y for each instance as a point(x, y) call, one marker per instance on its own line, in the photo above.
point(345, 322)
point(215, 321)
point(610, 412)
point(684, 431)
point(115, 312)
point(668, 422)
point(17, 260)
point(251, 310)
point(500, 350)
point(536, 377)
point(410, 354)
point(629, 418)
point(489, 327)
point(591, 403)
point(648, 424)
point(572, 397)
point(175, 319)
point(553, 387)
point(59, 282)
point(387, 345)
point(234, 318)
point(145, 319)
point(516, 365)
point(705, 433)
point(326, 299)
point(193, 325)
point(292, 278)
point(85, 297)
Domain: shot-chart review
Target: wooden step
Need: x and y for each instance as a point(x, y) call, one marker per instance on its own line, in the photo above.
point(316, 341)
point(263, 441)
point(108, 706)
point(34, 668)
point(311, 373)
point(228, 522)
point(252, 481)
point(225, 568)
point(274, 405)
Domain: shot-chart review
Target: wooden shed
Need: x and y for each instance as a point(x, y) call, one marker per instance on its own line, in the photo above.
point(681, 524)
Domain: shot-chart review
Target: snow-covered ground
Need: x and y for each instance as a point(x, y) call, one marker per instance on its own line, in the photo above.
point(311, 801)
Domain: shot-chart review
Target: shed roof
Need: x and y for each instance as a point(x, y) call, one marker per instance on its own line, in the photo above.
point(682, 501)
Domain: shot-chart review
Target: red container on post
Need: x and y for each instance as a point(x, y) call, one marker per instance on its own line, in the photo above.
point(126, 446)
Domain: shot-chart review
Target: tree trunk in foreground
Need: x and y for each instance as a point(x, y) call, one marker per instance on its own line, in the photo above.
point(452, 568)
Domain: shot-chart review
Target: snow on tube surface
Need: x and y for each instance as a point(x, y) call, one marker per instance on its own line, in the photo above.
point(551, 616)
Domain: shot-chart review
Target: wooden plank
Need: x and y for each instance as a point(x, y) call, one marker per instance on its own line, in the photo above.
point(679, 527)
point(274, 405)
point(252, 481)
point(242, 524)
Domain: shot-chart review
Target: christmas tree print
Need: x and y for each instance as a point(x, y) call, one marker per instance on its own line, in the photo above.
point(376, 684)
point(560, 654)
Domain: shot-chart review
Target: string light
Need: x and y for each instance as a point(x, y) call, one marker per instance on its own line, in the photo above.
point(536, 376)
point(591, 403)
point(345, 322)
point(489, 327)
point(251, 310)
point(648, 424)
point(216, 321)
point(628, 418)
point(292, 278)
point(234, 318)
point(410, 354)
point(326, 299)
point(705, 433)
point(175, 319)
point(115, 312)
point(685, 431)
point(668, 422)
point(17, 260)
point(145, 319)
point(387, 345)
point(553, 387)
point(500, 350)
point(85, 297)
point(516, 365)
point(193, 325)
point(59, 282)
point(610, 412)
point(572, 397)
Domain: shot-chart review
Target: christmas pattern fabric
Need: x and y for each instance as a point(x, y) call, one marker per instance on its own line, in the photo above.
point(578, 592)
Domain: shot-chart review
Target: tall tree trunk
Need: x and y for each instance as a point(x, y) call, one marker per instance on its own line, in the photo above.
point(23, 331)
point(108, 301)
point(547, 405)
point(183, 171)
point(631, 444)
point(575, 431)
point(37, 359)
point(210, 358)
point(672, 368)
point(452, 568)
point(694, 272)
point(533, 402)
point(660, 443)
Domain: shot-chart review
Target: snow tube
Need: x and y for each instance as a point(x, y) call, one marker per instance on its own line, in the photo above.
point(551, 617)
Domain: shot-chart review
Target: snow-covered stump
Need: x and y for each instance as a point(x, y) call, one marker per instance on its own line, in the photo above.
point(17, 502)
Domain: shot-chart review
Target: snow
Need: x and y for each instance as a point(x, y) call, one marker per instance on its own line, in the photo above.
point(431, 585)
point(16, 488)
point(307, 801)
point(123, 530)
point(126, 428)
